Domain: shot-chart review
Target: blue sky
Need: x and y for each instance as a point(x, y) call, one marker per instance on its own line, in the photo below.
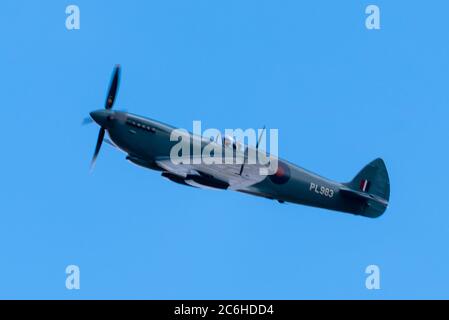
point(339, 94)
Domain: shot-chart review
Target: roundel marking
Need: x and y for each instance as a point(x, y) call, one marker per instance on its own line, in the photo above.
point(282, 174)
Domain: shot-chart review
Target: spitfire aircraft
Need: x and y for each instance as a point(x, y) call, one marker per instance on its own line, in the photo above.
point(147, 144)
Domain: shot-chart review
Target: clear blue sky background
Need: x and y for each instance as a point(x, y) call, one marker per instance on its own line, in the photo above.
point(339, 94)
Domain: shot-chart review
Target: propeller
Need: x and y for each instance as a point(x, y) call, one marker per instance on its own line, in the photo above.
point(87, 121)
point(113, 88)
point(97, 147)
point(110, 99)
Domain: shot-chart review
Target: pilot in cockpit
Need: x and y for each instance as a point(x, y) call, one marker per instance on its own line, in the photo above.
point(229, 142)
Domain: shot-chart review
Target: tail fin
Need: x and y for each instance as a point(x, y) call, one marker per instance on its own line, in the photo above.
point(373, 185)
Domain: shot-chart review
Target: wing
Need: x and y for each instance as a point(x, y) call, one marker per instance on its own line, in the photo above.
point(224, 176)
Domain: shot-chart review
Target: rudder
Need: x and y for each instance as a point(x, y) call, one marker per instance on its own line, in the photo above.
point(373, 180)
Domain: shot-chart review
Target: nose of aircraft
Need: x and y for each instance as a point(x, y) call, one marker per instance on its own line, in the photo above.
point(102, 117)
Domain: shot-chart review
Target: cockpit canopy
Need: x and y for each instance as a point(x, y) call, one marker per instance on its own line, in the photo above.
point(229, 142)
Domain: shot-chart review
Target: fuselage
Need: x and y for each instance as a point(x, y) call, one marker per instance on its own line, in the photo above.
point(144, 140)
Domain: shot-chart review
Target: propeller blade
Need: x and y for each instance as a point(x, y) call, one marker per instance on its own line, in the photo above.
point(87, 121)
point(110, 142)
point(112, 92)
point(97, 147)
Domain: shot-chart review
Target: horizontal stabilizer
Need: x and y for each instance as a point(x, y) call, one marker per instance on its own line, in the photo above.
point(370, 198)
